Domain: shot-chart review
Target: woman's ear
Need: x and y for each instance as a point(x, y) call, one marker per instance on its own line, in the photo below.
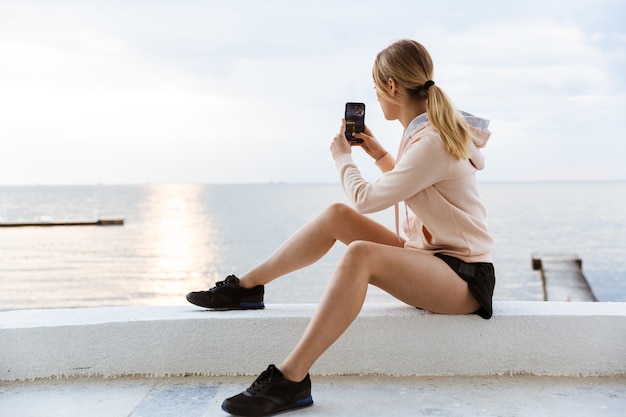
point(393, 87)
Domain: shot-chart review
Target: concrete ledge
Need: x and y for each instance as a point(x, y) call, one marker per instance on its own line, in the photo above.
point(539, 338)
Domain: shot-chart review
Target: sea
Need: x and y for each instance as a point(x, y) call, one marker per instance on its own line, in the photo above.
point(178, 238)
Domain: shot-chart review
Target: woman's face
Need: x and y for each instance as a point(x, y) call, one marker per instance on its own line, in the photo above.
point(389, 109)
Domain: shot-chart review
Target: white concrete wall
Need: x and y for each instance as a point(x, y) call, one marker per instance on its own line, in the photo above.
point(541, 338)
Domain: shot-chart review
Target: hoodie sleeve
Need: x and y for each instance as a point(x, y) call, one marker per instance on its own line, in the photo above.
point(425, 162)
point(386, 163)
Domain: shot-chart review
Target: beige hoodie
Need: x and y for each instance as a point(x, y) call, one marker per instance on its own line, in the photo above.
point(445, 213)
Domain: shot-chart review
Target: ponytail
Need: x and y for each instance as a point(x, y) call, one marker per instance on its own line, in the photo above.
point(449, 123)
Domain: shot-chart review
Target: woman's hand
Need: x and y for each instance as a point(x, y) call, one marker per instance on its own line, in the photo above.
point(340, 145)
point(370, 145)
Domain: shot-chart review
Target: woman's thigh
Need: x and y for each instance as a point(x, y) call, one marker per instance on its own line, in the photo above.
point(416, 278)
point(348, 225)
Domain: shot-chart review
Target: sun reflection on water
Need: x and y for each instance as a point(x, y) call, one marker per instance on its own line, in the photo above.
point(181, 253)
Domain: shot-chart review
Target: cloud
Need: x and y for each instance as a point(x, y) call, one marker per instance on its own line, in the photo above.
point(551, 93)
point(243, 92)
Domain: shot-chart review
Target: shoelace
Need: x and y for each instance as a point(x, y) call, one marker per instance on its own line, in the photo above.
point(231, 279)
point(266, 378)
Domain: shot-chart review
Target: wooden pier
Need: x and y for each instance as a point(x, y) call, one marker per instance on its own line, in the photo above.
point(99, 222)
point(562, 277)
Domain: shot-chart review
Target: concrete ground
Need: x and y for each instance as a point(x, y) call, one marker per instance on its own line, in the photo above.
point(506, 396)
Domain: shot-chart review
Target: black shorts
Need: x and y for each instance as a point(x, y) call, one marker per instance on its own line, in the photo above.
point(481, 279)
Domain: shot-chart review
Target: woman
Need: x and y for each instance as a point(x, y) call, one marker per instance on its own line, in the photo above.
point(444, 264)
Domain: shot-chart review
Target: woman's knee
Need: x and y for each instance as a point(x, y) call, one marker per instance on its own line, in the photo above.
point(338, 211)
point(337, 215)
point(360, 252)
point(354, 263)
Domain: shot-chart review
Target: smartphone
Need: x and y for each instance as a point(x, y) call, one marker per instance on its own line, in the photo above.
point(355, 121)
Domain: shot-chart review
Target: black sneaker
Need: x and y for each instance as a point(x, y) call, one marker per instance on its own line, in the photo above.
point(271, 393)
point(228, 295)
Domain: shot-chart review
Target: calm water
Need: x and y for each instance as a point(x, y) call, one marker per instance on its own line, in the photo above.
point(179, 238)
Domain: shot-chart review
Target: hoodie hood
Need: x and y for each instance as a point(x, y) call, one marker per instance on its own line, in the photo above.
point(478, 129)
point(479, 134)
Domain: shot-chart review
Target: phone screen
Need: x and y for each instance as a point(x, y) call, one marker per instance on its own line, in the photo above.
point(355, 120)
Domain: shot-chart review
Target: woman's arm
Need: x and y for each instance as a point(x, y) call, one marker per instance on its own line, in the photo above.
point(425, 162)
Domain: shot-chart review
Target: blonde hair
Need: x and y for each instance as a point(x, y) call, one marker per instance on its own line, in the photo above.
point(410, 65)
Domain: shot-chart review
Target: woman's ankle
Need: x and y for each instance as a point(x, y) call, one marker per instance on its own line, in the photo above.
point(291, 376)
point(247, 281)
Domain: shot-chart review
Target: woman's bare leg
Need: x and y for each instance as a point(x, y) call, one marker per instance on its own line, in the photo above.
point(314, 240)
point(415, 278)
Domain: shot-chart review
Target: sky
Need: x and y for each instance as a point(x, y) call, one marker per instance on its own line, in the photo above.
point(133, 92)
